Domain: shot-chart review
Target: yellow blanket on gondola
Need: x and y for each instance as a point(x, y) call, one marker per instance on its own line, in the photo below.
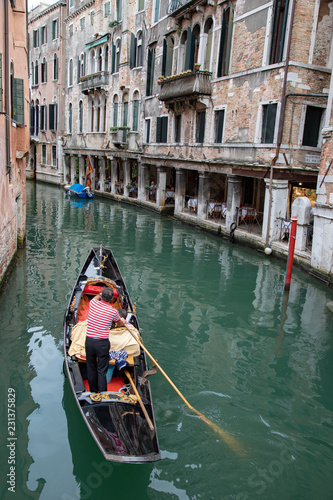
point(120, 339)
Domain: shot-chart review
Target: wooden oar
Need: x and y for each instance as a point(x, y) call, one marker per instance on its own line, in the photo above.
point(232, 442)
point(151, 426)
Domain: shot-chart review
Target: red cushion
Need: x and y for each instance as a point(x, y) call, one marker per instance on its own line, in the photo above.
point(94, 290)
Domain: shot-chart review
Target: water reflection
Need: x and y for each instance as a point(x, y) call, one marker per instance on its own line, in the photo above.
point(217, 320)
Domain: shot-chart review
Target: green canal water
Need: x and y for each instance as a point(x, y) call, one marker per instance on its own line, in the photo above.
point(256, 362)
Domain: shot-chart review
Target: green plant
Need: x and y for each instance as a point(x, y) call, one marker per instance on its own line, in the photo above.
point(114, 129)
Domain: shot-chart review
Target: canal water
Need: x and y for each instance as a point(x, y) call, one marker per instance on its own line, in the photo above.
point(256, 362)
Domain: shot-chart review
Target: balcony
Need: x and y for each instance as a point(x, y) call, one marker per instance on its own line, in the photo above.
point(178, 8)
point(96, 81)
point(189, 85)
point(119, 136)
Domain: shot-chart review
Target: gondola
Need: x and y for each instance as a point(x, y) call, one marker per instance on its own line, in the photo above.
point(120, 420)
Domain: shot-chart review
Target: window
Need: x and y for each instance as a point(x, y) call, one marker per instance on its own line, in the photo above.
point(70, 73)
point(71, 30)
point(136, 50)
point(150, 71)
point(201, 121)
point(106, 58)
point(82, 23)
point(148, 130)
point(136, 112)
point(18, 100)
point(53, 116)
point(91, 62)
point(141, 5)
point(37, 118)
point(43, 35)
point(92, 13)
point(178, 127)
point(125, 110)
point(119, 10)
point(167, 59)
point(219, 123)
point(117, 55)
point(115, 111)
point(35, 38)
point(32, 118)
point(312, 126)
point(162, 129)
point(54, 156)
point(43, 121)
point(225, 41)
point(44, 154)
point(208, 43)
point(55, 67)
point(43, 71)
point(36, 74)
point(80, 117)
point(280, 15)
point(55, 29)
point(157, 10)
point(107, 9)
point(268, 123)
point(1, 90)
point(70, 118)
point(80, 66)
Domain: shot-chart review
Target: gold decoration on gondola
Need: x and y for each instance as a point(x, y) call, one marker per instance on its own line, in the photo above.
point(103, 261)
point(73, 304)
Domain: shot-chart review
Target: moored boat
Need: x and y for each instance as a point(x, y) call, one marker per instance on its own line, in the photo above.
point(79, 190)
point(121, 419)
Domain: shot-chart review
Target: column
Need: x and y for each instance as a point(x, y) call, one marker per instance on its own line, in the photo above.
point(67, 179)
point(161, 186)
point(72, 169)
point(82, 170)
point(233, 200)
point(102, 166)
point(279, 207)
point(114, 175)
point(127, 177)
point(301, 209)
point(180, 190)
point(143, 180)
point(203, 195)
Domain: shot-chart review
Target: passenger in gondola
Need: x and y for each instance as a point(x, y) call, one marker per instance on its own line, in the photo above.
point(122, 340)
point(100, 317)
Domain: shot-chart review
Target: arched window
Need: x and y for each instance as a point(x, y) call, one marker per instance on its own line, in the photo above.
point(195, 42)
point(70, 73)
point(32, 118)
point(167, 60)
point(100, 59)
point(44, 71)
point(55, 67)
point(182, 52)
point(208, 30)
point(139, 53)
point(91, 114)
point(80, 117)
point(36, 74)
point(98, 116)
point(106, 58)
point(92, 62)
point(115, 111)
point(70, 118)
point(136, 101)
point(117, 60)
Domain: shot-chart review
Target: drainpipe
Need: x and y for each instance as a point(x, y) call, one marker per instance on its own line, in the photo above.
point(281, 121)
point(6, 99)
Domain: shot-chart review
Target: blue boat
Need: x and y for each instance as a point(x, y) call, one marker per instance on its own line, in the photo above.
point(80, 191)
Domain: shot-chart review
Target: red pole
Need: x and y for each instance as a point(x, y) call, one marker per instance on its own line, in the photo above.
point(292, 239)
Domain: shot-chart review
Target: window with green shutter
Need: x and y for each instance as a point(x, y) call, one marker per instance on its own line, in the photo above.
point(135, 114)
point(225, 41)
point(162, 129)
point(18, 100)
point(52, 116)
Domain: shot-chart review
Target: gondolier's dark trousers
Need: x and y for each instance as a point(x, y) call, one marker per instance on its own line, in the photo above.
point(97, 357)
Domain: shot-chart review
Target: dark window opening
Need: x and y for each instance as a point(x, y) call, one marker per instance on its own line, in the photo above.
point(280, 17)
point(268, 123)
point(162, 129)
point(312, 126)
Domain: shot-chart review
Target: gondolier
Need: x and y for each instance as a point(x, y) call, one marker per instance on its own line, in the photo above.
point(100, 317)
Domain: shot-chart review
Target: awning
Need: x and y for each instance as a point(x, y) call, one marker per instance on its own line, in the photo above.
point(98, 41)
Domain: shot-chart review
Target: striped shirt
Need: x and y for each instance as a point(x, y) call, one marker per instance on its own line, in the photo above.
point(100, 317)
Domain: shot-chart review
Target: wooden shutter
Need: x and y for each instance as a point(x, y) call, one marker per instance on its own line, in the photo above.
point(133, 51)
point(219, 125)
point(51, 116)
point(113, 58)
point(18, 100)
point(164, 57)
point(149, 71)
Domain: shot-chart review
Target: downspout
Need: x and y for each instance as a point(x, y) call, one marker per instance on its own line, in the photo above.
point(281, 121)
point(7, 76)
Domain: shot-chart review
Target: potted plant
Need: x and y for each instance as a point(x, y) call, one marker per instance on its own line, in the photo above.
point(197, 66)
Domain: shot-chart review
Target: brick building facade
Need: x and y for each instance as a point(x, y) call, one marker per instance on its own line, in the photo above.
point(222, 101)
